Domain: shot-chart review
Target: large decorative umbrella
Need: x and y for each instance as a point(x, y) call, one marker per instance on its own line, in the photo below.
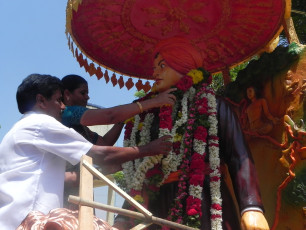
point(120, 35)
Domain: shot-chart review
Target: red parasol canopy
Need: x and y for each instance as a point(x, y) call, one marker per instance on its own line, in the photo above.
point(120, 34)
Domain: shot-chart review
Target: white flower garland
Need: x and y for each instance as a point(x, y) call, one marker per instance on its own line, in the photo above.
point(214, 162)
point(135, 171)
point(128, 166)
point(173, 160)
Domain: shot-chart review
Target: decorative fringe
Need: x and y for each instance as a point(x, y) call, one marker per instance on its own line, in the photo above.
point(93, 70)
point(91, 67)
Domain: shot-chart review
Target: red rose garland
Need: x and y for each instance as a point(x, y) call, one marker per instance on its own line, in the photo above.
point(165, 119)
point(193, 165)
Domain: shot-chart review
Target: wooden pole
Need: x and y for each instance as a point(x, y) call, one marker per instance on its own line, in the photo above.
point(110, 201)
point(86, 203)
point(141, 226)
point(132, 214)
point(86, 191)
point(128, 198)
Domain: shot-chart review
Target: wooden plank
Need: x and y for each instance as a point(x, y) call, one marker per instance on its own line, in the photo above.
point(86, 192)
point(111, 202)
point(87, 204)
point(126, 196)
point(141, 226)
point(132, 214)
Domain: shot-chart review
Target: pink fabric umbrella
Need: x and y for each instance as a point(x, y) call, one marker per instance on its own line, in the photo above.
point(120, 35)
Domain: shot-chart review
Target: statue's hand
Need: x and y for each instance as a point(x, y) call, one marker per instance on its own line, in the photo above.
point(254, 220)
point(276, 120)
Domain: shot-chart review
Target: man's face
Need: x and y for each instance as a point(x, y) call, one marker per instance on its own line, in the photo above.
point(54, 106)
point(165, 76)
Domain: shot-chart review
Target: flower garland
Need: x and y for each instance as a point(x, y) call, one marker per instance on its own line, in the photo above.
point(188, 154)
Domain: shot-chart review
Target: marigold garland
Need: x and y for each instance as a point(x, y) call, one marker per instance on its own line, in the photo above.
point(188, 154)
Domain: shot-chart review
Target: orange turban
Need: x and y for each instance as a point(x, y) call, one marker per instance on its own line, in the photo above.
point(179, 54)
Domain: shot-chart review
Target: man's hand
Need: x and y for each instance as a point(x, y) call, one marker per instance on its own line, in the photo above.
point(111, 155)
point(111, 168)
point(254, 220)
point(159, 146)
point(165, 98)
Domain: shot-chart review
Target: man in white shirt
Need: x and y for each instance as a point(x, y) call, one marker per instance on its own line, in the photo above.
point(34, 152)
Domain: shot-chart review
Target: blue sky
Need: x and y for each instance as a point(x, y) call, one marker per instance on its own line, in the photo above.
point(33, 40)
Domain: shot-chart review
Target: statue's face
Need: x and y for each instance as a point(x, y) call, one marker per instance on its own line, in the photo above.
point(289, 91)
point(164, 75)
point(250, 93)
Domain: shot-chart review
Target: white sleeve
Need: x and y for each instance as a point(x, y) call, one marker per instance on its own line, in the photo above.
point(64, 142)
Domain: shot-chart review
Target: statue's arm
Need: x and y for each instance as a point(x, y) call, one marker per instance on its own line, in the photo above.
point(236, 154)
point(267, 111)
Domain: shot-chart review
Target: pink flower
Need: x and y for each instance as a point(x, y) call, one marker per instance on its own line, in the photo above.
point(214, 138)
point(216, 206)
point(202, 106)
point(215, 216)
point(128, 130)
point(197, 166)
point(192, 212)
point(185, 83)
point(196, 179)
point(165, 123)
point(193, 206)
point(190, 121)
point(165, 111)
point(200, 133)
point(165, 117)
point(197, 156)
point(154, 171)
point(215, 178)
point(176, 147)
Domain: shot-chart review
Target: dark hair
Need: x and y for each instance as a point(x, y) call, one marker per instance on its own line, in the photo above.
point(266, 68)
point(34, 84)
point(72, 82)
